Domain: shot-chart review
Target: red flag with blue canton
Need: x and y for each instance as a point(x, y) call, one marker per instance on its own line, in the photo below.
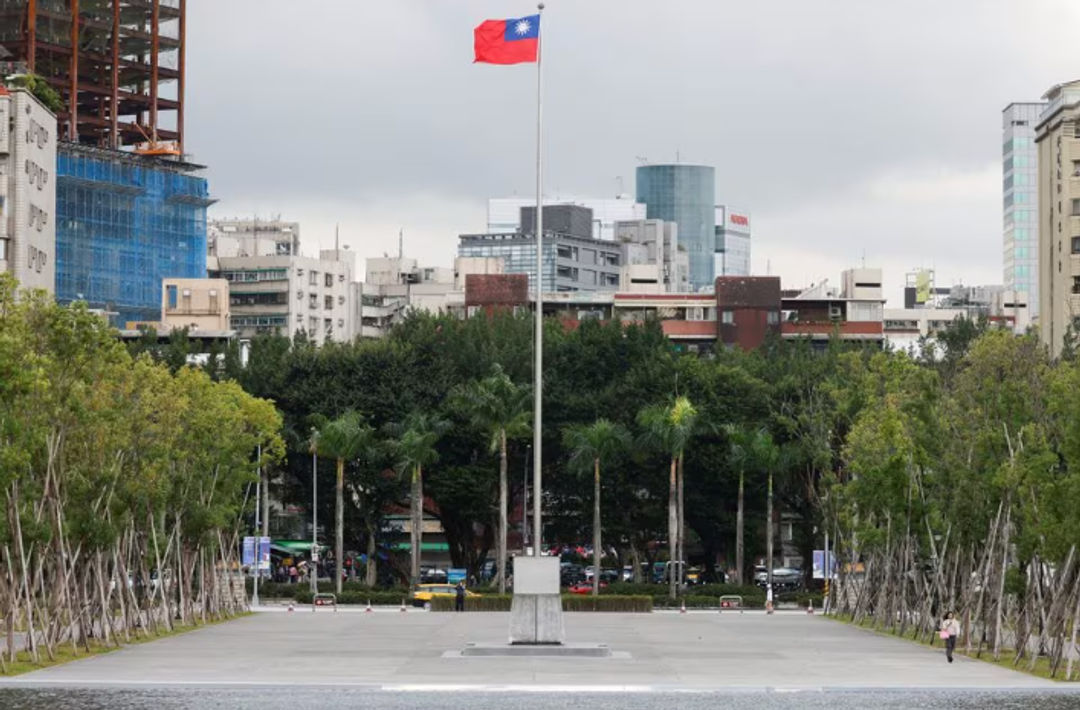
point(512, 41)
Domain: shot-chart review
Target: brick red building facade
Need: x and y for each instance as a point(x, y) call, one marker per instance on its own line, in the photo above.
point(748, 309)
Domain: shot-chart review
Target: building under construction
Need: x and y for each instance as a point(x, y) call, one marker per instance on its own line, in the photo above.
point(118, 65)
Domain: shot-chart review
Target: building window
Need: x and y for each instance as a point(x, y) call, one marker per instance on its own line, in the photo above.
point(328, 303)
point(328, 325)
point(313, 300)
point(170, 293)
point(313, 324)
point(213, 299)
point(1076, 245)
point(185, 299)
point(727, 317)
point(329, 280)
point(772, 317)
point(1076, 285)
point(313, 278)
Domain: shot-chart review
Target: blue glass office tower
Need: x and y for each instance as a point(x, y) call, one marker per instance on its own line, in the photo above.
point(1021, 200)
point(686, 195)
point(124, 222)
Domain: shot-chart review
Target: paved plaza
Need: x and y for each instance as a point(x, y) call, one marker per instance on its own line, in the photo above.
point(416, 651)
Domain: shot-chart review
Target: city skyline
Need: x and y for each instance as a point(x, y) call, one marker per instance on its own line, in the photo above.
point(893, 161)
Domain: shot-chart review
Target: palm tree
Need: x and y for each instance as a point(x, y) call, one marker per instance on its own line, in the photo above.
point(414, 448)
point(669, 428)
point(589, 444)
point(343, 439)
point(751, 451)
point(501, 409)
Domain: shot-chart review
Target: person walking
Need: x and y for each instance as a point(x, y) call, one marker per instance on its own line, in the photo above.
point(459, 597)
point(950, 631)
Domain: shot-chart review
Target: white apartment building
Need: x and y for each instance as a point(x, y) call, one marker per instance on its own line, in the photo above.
point(1002, 307)
point(27, 189)
point(652, 261)
point(504, 213)
point(288, 294)
point(395, 285)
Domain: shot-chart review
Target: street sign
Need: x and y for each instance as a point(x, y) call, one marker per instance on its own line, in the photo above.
point(264, 553)
point(247, 556)
point(819, 564)
point(455, 575)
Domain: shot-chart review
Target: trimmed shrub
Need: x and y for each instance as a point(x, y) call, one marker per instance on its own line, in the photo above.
point(570, 602)
point(380, 597)
point(638, 604)
point(285, 590)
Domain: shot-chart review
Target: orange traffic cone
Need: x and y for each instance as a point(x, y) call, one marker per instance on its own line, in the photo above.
point(368, 610)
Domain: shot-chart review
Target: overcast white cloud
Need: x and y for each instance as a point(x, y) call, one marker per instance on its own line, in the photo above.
point(850, 129)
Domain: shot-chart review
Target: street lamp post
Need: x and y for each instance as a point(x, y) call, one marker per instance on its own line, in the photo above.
point(525, 504)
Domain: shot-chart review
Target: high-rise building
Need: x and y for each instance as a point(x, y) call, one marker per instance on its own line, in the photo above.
point(123, 223)
point(27, 189)
point(685, 195)
point(123, 85)
point(1020, 193)
point(732, 256)
point(504, 213)
point(1057, 135)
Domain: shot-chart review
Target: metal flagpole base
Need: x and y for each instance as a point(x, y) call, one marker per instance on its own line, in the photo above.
point(536, 615)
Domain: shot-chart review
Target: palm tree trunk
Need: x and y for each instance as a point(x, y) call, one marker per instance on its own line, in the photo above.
point(681, 567)
point(503, 523)
point(673, 527)
point(372, 572)
point(739, 522)
point(769, 537)
point(339, 529)
point(416, 537)
point(596, 528)
point(264, 477)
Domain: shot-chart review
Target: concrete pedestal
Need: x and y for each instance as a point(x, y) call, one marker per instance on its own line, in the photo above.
point(536, 615)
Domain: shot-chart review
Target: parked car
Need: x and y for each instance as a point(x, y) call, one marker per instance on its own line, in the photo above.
point(571, 574)
point(584, 587)
point(423, 594)
point(783, 578)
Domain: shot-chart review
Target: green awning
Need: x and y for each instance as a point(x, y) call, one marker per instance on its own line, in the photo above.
point(424, 546)
point(291, 545)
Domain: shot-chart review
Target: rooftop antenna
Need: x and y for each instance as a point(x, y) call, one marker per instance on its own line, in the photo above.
point(641, 159)
point(337, 242)
point(768, 267)
point(676, 155)
point(401, 243)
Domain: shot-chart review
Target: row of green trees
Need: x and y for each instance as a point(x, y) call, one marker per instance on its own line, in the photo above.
point(959, 489)
point(124, 484)
point(646, 439)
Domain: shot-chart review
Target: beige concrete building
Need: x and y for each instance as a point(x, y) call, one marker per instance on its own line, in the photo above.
point(1057, 136)
point(27, 189)
point(197, 304)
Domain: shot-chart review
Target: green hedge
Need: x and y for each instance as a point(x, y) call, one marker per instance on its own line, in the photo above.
point(284, 590)
point(377, 597)
point(704, 590)
point(570, 602)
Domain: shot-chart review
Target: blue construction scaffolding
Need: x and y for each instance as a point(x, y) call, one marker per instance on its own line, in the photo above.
point(125, 222)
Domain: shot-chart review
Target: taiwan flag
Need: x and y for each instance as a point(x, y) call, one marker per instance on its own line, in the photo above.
point(507, 41)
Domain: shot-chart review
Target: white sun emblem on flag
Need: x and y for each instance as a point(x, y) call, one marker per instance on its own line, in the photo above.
point(522, 27)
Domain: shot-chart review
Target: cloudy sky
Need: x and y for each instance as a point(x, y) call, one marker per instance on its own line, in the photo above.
point(849, 129)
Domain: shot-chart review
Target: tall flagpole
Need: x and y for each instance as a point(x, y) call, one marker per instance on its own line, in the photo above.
point(538, 340)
